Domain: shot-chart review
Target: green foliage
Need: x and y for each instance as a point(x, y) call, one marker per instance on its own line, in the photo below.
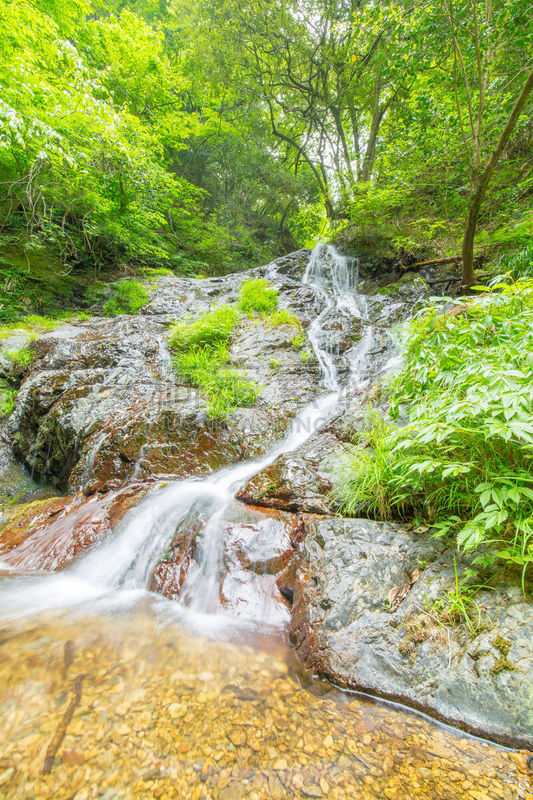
point(463, 460)
point(153, 273)
point(517, 263)
point(128, 298)
point(7, 398)
point(297, 341)
point(22, 358)
point(200, 354)
point(283, 317)
point(208, 330)
point(460, 605)
point(257, 295)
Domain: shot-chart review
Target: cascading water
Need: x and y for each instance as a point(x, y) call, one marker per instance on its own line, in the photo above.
point(118, 706)
point(119, 570)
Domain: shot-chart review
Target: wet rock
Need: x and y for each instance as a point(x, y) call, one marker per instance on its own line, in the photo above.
point(48, 534)
point(16, 484)
point(363, 594)
point(297, 481)
point(102, 405)
point(258, 546)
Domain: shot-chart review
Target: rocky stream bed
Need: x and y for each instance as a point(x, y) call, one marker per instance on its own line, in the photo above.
point(105, 447)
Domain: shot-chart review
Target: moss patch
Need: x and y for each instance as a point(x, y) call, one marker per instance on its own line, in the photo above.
point(502, 662)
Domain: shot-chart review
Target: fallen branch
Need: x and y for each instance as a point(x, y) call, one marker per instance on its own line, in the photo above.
point(59, 735)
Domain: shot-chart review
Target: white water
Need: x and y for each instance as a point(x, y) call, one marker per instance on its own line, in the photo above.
point(118, 572)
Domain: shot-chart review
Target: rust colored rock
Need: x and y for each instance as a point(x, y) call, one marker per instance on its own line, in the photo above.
point(171, 570)
point(259, 545)
point(49, 534)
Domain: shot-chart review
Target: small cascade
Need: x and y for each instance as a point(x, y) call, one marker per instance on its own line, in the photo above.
point(119, 570)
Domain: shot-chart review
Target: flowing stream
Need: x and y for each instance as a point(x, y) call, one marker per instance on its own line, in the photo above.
point(98, 698)
point(119, 571)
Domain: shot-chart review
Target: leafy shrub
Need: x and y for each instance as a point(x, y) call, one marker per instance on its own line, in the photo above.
point(128, 298)
point(283, 317)
point(257, 295)
point(200, 348)
point(464, 460)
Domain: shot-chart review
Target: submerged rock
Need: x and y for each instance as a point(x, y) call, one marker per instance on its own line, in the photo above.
point(363, 617)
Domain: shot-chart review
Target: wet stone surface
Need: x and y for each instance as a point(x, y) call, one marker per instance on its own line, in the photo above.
point(48, 534)
point(362, 616)
point(126, 709)
point(103, 405)
point(258, 545)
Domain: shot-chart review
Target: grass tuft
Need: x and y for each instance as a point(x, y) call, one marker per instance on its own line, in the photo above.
point(283, 317)
point(257, 295)
point(128, 298)
point(200, 349)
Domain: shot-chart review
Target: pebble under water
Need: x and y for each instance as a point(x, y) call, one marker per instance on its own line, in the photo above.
point(124, 707)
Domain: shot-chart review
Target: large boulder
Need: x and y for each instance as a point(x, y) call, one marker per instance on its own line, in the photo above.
point(104, 406)
point(258, 545)
point(364, 616)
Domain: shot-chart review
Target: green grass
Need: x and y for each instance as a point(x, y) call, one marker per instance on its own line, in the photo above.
point(257, 295)
point(207, 330)
point(23, 357)
point(460, 605)
point(464, 461)
point(517, 262)
point(32, 323)
point(200, 348)
point(7, 398)
point(128, 298)
point(151, 274)
point(283, 317)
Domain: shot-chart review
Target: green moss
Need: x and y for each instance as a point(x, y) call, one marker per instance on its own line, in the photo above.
point(31, 277)
point(503, 645)
point(155, 272)
point(502, 662)
point(257, 295)
point(392, 288)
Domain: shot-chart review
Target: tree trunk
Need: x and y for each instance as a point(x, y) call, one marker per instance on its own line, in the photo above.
point(481, 183)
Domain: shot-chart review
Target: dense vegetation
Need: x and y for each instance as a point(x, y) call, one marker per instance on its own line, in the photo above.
point(456, 449)
point(210, 136)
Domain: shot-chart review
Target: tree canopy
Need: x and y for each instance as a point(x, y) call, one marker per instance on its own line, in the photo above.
point(215, 135)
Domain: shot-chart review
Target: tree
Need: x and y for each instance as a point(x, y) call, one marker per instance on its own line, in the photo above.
point(488, 42)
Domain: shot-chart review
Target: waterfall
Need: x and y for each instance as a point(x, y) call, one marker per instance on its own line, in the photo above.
point(118, 571)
